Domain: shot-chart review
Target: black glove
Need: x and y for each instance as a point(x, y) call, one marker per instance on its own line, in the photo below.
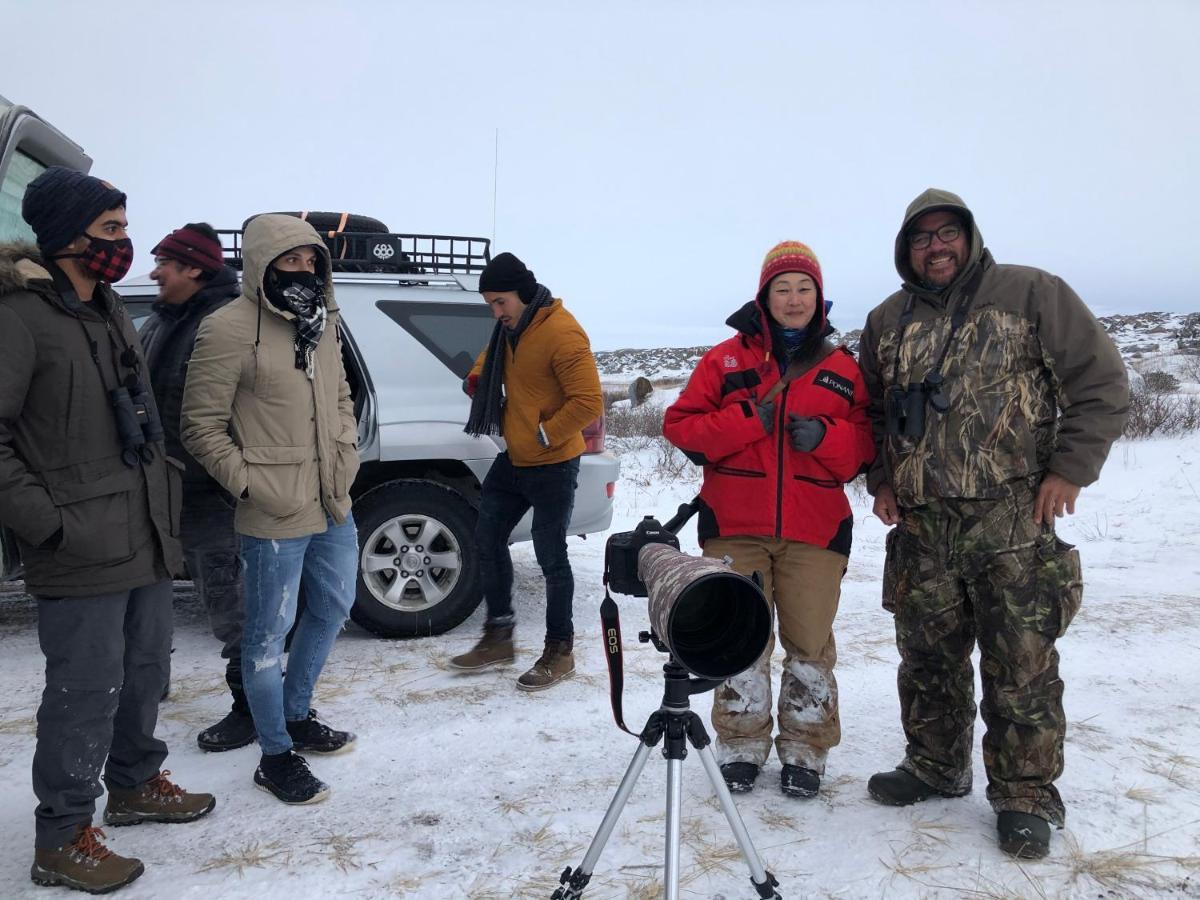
point(806, 432)
point(766, 415)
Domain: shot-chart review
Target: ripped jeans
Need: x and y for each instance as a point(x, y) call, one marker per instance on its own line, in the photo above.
point(328, 564)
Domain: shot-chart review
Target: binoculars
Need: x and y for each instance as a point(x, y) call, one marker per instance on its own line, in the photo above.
point(904, 409)
point(137, 420)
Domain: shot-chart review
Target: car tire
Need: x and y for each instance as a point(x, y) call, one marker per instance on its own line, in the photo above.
point(401, 591)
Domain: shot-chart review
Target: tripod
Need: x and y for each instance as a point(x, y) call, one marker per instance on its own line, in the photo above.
point(675, 721)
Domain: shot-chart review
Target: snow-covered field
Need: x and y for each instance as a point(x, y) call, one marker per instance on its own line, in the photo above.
point(461, 786)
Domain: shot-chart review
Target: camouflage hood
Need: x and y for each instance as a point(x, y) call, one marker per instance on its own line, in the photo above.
point(932, 200)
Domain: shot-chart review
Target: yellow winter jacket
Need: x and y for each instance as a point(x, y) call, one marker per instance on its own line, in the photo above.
point(551, 380)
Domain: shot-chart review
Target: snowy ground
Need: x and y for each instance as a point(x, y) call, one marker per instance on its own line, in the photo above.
point(464, 787)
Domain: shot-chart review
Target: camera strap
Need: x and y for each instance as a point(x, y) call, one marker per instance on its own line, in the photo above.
point(610, 625)
point(795, 369)
point(957, 319)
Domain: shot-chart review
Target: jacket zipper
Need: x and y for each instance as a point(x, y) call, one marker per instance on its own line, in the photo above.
point(779, 461)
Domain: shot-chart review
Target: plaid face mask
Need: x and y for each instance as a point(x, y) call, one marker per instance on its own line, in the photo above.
point(109, 261)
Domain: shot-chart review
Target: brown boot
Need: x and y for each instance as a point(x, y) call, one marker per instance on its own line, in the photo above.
point(555, 664)
point(158, 800)
point(495, 648)
point(85, 864)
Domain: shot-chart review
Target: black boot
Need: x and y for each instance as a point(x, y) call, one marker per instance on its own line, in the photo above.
point(901, 788)
point(287, 776)
point(1023, 835)
point(237, 728)
point(311, 735)
point(797, 781)
point(739, 776)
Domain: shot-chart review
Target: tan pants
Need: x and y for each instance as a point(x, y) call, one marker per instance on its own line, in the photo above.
point(803, 584)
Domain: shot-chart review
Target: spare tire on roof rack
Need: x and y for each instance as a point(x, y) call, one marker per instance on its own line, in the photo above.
point(356, 243)
point(325, 222)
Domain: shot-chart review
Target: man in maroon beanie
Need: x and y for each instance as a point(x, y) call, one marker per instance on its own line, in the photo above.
point(194, 281)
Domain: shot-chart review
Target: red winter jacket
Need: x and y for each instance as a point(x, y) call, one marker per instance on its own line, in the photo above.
point(755, 483)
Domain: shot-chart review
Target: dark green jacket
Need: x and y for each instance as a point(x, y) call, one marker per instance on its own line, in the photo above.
point(1035, 384)
point(60, 457)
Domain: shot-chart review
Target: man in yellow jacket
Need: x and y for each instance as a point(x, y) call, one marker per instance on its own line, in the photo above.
point(535, 384)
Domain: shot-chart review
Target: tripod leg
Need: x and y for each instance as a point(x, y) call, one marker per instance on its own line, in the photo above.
point(674, 807)
point(574, 881)
point(764, 882)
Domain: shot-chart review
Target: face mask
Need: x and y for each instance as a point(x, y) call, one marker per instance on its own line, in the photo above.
point(108, 261)
point(299, 292)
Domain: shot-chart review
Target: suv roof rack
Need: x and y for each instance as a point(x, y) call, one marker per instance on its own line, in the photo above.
point(388, 253)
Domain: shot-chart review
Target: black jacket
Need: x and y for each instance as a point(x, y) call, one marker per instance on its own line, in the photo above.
point(168, 338)
point(61, 465)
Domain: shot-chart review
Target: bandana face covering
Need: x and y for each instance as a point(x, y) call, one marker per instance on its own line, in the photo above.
point(297, 292)
point(109, 261)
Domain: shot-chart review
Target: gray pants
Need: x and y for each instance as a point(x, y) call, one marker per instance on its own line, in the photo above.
point(108, 658)
point(210, 548)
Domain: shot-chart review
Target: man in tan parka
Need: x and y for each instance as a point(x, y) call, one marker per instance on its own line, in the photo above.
point(267, 411)
point(995, 397)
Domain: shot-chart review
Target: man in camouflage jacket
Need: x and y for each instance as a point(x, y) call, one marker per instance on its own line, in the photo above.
point(995, 397)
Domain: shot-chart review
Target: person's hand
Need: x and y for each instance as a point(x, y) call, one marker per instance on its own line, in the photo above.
point(806, 432)
point(766, 415)
point(1054, 494)
point(886, 508)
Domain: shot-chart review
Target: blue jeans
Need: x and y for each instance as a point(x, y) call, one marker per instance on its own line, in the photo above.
point(508, 493)
point(328, 564)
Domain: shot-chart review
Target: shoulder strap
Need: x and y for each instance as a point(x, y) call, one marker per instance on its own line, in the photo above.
point(796, 368)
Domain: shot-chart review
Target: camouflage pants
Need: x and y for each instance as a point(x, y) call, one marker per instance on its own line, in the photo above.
point(803, 585)
point(961, 571)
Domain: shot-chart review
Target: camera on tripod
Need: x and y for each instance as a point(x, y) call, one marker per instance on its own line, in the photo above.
point(904, 409)
point(138, 424)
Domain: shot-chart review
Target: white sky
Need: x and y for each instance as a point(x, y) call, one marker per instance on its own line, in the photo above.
point(650, 153)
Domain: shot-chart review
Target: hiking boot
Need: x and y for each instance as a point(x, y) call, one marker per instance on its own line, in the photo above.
point(158, 800)
point(1023, 835)
point(311, 735)
point(287, 776)
point(495, 648)
point(234, 731)
point(797, 781)
point(85, 864)
point(901, 788)
point(556, 663)
point(739, 776)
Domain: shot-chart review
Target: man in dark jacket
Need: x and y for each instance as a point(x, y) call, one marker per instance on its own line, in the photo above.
point(995, 397)
point(194, 281)
point(86, 485)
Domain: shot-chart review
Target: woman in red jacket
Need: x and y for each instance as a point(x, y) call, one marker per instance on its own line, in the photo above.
point(778, 419)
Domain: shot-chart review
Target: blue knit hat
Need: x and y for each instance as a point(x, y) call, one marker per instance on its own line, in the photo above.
point(61, 203)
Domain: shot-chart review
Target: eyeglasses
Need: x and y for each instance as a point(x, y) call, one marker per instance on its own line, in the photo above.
point(919, 240)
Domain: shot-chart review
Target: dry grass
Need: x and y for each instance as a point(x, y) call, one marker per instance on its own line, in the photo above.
point(340, 849)
point(1130, 871)
point(18, 724)
point(253, 855)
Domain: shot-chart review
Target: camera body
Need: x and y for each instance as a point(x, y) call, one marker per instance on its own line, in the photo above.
point(904, 407)
point(621, 555)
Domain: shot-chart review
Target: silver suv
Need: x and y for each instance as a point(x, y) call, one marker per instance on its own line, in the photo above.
point(413, 324)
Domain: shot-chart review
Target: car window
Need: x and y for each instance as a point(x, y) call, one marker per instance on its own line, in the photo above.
point(453, 332)
point(22, 169)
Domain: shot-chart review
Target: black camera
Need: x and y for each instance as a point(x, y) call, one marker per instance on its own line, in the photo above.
point(621, 555)
point(137, 421)
point(904, 409)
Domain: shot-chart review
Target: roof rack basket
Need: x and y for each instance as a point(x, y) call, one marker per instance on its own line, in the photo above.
point(388, 252)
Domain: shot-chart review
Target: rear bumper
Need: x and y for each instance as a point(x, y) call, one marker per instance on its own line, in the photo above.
point(593, 506)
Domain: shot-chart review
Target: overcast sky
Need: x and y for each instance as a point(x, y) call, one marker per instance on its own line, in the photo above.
point(651, 152)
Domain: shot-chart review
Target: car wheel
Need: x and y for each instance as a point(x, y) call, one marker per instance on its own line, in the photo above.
point(418, 571)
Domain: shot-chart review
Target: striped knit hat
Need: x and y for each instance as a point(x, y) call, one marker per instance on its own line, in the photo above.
point(790, 256)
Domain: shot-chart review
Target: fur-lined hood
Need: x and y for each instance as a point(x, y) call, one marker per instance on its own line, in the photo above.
point(21, 264)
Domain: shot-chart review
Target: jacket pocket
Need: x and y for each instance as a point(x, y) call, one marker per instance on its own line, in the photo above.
point(1059, 585)
point(345, 464)
point(275, 479)
point(95, 518)
point(739, 473)
point(175, 471)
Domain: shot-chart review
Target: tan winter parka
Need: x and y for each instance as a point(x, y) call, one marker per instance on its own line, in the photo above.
point(258, 424)
point(1034, 382)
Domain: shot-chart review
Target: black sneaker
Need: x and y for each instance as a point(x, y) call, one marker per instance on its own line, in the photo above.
point(287, 776)
point(797, 781)
point(311, 735)
point(233, 731)
point(1023, 835)
point(739, 776)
